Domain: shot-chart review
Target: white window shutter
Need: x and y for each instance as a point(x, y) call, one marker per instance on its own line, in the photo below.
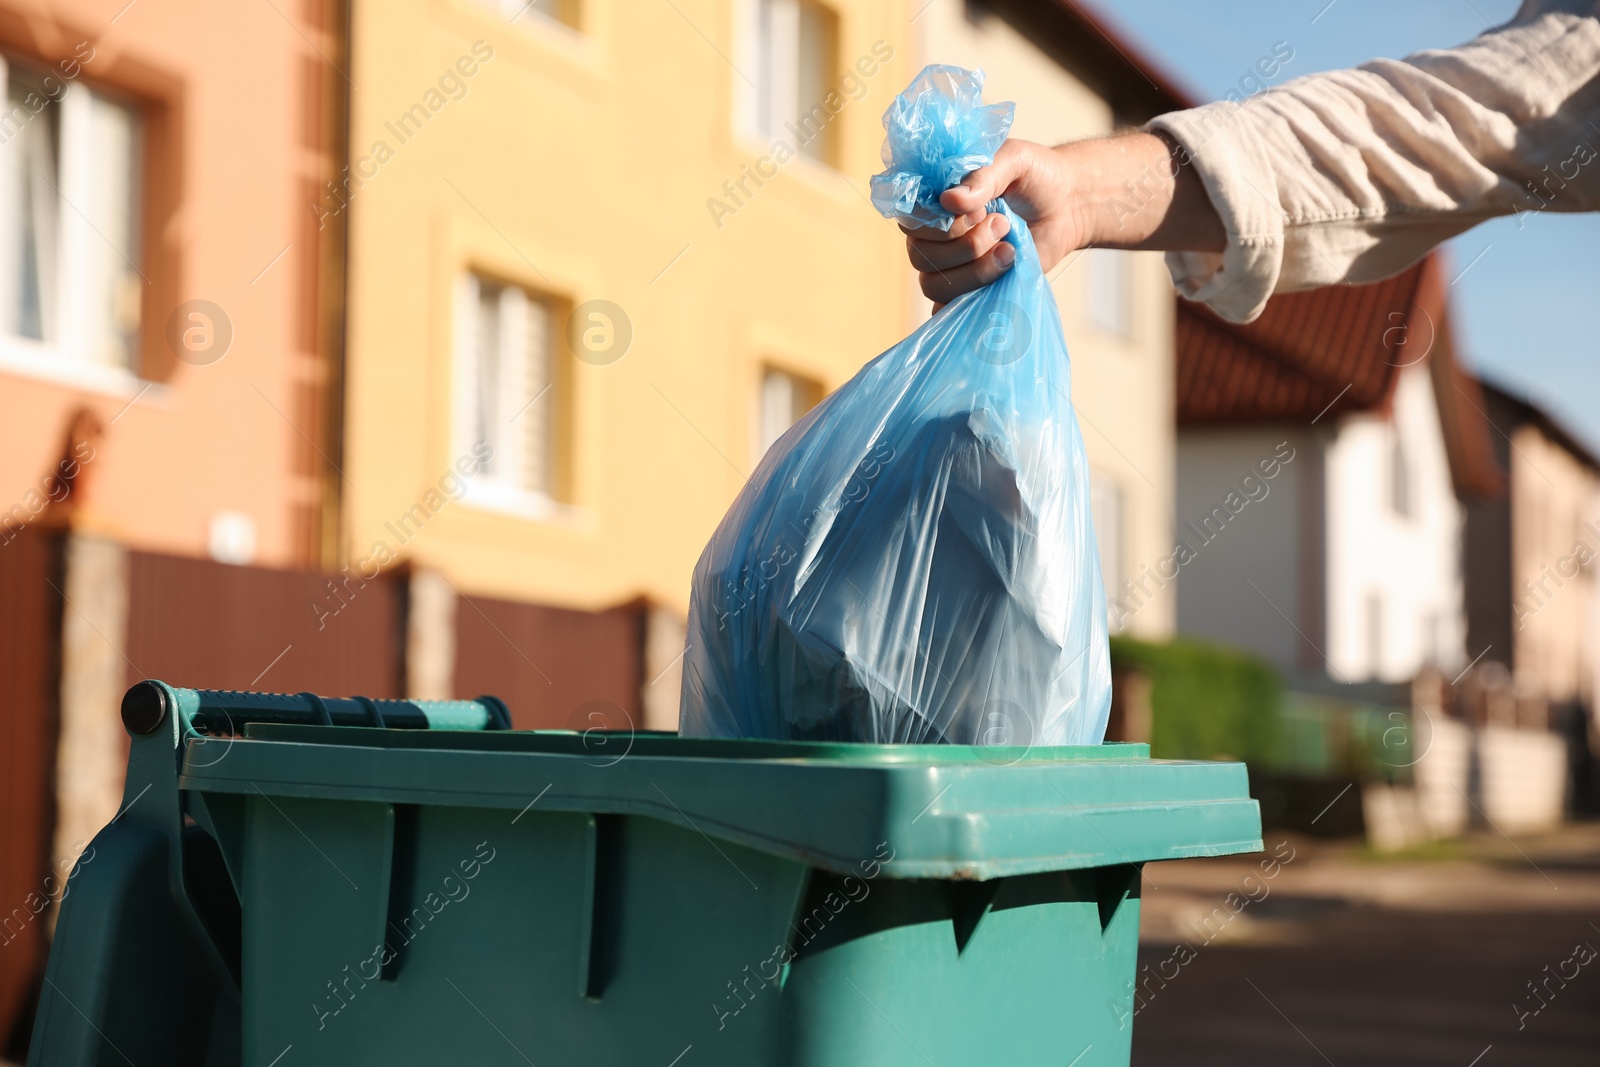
point(777, 407)
point(750, 73)
point(513, 383)
point(113, 282)
point(814, 74)
point(486, 345)
point(1109, 280)
point(13, 189)
point(767, 76)
point(44, 178)
point(30, 214)
point(70, 221)
point(464, 398)
point(75, 269)
point(535, 421)
point(504, 377)
point(783, 56)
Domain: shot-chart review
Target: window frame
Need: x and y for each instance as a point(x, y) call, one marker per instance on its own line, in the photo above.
point(1374, 619)
point(65, 359)
point(1402, 477)
point(805, 393)
point(755, 53)
point(1108, 514)
point(571, 21)
point(499, 494)
point(1099, 259)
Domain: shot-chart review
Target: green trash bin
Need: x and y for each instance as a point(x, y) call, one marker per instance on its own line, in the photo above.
point(297, 881)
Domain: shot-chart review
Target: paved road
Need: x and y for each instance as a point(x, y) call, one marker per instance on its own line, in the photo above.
point(1344, 959)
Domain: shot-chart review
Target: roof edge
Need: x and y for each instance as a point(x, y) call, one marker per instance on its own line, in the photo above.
point(1094, 49)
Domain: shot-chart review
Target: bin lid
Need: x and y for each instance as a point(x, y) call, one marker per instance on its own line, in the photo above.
point(944, 811)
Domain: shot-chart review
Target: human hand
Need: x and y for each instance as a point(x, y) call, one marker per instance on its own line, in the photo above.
point(1072, 196)
point(1036, 183)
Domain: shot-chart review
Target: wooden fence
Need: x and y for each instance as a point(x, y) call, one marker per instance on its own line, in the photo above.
point(205, 625)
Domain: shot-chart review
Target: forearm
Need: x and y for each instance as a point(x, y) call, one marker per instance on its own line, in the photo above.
point(1131, 192)
point(1353, 175)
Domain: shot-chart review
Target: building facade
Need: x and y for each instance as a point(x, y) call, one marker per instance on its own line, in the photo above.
point(1323, 453)
point(1532, 552)
point(188, 334)
point(601, 256)
point(168, 358)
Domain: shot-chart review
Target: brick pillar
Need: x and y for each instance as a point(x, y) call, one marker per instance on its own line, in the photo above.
point(430, 636)
point(664, 634)
point(1131, 710)
point(92, 750)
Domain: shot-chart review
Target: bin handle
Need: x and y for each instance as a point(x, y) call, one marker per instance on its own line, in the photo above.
point(147, 704)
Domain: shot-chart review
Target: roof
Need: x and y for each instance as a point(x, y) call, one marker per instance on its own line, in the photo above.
point(1468, 431)
point(1316, 355)
point(1524, 411)
point(1309, 355)
point(1098, 53)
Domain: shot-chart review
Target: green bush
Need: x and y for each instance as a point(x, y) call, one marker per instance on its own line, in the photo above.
point(1206, 701)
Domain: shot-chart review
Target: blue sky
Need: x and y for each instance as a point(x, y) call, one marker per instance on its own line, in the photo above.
point(1526, 309)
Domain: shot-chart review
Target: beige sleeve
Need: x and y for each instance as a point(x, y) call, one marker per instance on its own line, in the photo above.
point(1354, 175)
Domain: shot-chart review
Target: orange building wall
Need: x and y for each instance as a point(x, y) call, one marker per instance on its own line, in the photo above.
point(237, 107)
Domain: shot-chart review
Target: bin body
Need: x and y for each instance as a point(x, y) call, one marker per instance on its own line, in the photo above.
point(676, 944)
point(510, 898)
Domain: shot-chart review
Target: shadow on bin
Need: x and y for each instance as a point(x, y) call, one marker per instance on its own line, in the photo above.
point(362, 881)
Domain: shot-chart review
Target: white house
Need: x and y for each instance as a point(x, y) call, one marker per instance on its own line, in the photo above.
point(1323, 452)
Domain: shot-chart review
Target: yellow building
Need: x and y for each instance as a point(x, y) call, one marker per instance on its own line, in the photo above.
point(594, 242)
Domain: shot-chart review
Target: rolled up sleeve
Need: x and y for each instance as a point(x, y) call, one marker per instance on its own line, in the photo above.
point(1353, 175)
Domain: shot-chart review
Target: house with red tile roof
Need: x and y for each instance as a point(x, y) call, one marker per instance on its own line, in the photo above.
point(1324, 452)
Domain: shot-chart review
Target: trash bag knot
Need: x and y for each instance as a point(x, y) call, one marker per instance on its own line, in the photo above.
point(939, 131)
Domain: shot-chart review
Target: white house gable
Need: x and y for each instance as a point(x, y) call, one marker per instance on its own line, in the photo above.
point(1394, 590)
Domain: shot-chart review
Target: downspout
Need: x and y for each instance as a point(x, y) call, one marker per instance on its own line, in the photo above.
point(330, 549)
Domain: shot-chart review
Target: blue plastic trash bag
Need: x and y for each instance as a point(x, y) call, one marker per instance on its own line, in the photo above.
point(914, 561)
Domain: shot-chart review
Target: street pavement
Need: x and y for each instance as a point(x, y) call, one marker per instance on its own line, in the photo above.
point(1474, 954)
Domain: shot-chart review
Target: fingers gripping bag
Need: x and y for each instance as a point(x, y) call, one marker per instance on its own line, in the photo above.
point(914, 561)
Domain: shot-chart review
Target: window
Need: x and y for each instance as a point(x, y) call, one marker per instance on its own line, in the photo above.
point(1105, 505)
point(508, 386)
point(785, 398)
point(1432, 643)
point(567, 13)
point(70, 286)
point(786, 70)
point(1400, 491)
point(1109, 298)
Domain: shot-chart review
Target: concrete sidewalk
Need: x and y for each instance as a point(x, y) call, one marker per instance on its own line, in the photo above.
point(1462, 954)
